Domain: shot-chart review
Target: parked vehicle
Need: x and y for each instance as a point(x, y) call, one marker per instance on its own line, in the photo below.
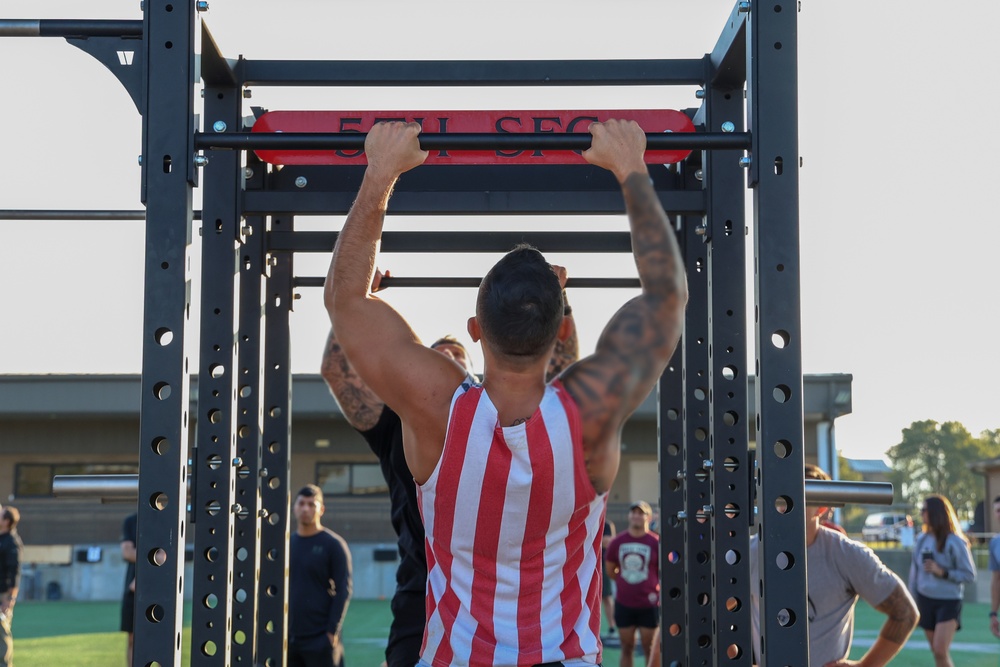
point(885, 526)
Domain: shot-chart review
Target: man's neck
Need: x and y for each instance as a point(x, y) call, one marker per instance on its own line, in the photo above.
point(516, 393)
point(309, 529)
point(812, 530)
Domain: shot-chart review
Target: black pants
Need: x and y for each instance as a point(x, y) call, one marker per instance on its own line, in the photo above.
point(313, 652)
point(407, 631)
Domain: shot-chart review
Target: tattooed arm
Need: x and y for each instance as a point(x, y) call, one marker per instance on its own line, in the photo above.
point(902, 618)
point(361, 407)
point(637, 343)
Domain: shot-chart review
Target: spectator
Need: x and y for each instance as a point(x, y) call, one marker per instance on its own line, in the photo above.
point(128, 596)
point(995, 569)
point(839, 570)
point(633, 560)
point(940, 567)
point(10, 579)
point(607, 587)
point(319, 586)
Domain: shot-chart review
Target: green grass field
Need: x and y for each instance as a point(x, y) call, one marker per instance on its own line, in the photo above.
point(84, 634)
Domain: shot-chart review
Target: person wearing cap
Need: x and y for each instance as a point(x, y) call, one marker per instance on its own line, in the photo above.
point(383, 431)
point(633, 562)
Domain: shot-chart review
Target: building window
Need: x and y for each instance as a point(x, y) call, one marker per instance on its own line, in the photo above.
point(350, 479)
point(34, 480)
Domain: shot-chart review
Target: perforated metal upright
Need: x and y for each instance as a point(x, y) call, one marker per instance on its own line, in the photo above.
point(168, 177)
point(772, 99)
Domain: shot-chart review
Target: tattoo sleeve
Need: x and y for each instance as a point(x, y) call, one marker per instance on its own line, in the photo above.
point(361, 407)
point(902, 616)
point(566, 352)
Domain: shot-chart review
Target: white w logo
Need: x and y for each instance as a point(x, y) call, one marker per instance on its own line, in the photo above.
point(125, 57)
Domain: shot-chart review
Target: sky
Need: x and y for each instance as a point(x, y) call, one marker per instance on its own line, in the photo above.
point(900, 169)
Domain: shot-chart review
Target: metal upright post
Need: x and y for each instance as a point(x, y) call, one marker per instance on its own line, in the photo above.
point(249, 401)
point(729, 444)
point(697, 426)
point(772, 91)
point(215, 458)
point(168, 178)
point(673, 508)
point(275, 457)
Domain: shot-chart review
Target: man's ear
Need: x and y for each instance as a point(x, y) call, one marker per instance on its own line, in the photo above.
point(473, 328)
point(565, 329)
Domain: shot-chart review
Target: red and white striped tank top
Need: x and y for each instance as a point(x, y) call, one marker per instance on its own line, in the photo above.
point(513, 539)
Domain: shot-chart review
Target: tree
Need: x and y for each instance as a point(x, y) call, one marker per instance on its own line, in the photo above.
point(935, 458)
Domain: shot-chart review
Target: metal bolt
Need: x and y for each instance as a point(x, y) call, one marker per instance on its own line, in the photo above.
point(296, 296)
point(202, 93)
point(263, 472)
point(744, 7)
point(700, 93)
point(708, 509)
point(745, 161)
point(237, 508)
point(680, 474)
point(246, 230)
point(707, 464)
point(729, 126)
point(701, 229)
point(699, 174)
point(247, 93)
point(262, 513)
point(272, 260)
point(202, 5)
point(682, 515)
point(301, 182)
point(237, 462)
point(200, 160)
point(219, 126)
point(248, 173)
point(140, 160)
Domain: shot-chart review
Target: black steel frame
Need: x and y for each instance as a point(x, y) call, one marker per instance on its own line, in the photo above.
point(240, 463)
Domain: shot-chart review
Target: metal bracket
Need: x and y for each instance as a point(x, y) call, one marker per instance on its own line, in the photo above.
point(123, 56)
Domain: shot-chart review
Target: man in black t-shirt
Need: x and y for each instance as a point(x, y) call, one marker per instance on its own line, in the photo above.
point(383, 431)
point(128, 596)
point(319, 586)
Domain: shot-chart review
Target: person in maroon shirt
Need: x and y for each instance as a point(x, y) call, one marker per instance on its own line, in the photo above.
point(633, 561)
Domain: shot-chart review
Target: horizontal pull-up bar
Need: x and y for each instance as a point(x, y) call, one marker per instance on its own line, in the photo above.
point(464, 242)
point(392, 281)
point(76, 214)
point(69, 28)
point(569, 141)
point(104, 487)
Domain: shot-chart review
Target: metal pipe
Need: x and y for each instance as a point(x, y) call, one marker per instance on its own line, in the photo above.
point(75, 214)
point(838, 493)
point(392, 281)
point(464, 242)
point(69, 28)
point(105, 487)
point(469, 141)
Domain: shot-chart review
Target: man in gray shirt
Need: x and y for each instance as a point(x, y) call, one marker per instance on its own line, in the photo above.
point(839, 571)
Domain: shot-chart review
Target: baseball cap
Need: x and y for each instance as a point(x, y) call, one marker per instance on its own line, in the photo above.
point(642, 506)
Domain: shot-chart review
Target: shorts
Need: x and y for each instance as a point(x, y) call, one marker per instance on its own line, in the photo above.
point(406, 634)
point(934, 611)
point(607, 591)
point(636, 617)
point(128, 612)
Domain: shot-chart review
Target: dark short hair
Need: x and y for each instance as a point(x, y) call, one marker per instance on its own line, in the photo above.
point(11, 514)
point(311, 491)
point(448, 339)
point(520, 305)
point(997, 499)
point(813, 471)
